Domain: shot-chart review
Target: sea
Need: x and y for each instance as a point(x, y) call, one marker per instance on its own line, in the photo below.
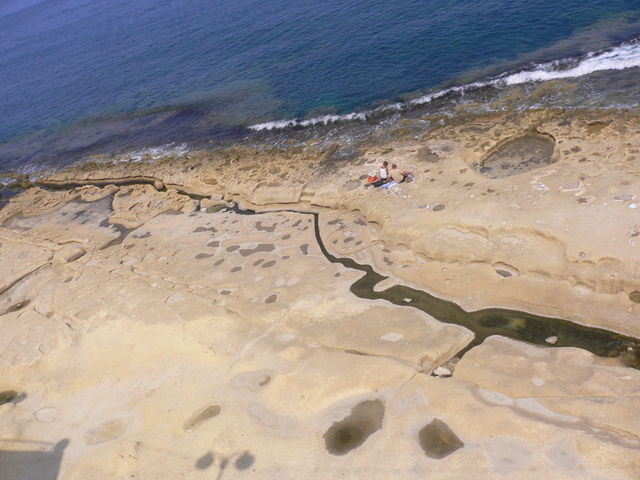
point(84, 78)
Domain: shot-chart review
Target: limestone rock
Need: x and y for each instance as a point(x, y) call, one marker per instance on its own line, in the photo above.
point(132, 206)
point(18, 260)
point(92, 193)
point(212, 202)
point(69, 253)
point(36, 201)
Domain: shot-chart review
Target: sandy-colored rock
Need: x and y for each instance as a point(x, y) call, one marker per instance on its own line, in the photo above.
point(564, 380)
point(212, 202)
point(171, 342)
point(36, 201)
point(72, 224)
point(234, 299)
point(132, 206)
point(406, 334)
point(92, 193)
point(18, 260)
point(69, 253)
point(485, 227)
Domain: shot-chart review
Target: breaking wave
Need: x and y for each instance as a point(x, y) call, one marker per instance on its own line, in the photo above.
point(155, 153)
point(621, 57)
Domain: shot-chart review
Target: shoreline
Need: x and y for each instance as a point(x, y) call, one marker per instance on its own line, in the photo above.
point(567, 82)
point(318, 183)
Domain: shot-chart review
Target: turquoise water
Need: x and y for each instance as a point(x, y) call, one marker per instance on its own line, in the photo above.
point(80, 76)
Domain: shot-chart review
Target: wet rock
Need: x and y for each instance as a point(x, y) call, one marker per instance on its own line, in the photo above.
point(631, 357)
point(202, 416)
point(16, 306)
point(7, 396)
point(438, 440)
point(271, 298)
point(352, 431)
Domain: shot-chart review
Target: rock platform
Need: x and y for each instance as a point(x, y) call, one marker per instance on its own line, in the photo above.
point(149, 332)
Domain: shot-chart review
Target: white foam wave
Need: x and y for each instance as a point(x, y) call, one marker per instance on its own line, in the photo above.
point(618, 58)
point(154, 153)
point(325, 119)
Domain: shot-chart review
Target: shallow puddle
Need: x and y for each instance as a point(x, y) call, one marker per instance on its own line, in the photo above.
point(438, 440)
point(202, 416)
point(353, 430)
point(7, 396)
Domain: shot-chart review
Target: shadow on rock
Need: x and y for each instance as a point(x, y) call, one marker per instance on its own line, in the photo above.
point(31, 460)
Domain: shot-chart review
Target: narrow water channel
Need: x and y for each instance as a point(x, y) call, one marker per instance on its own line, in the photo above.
point(514, 324)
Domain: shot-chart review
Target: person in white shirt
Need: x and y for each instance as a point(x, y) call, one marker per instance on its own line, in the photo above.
point(383, 176)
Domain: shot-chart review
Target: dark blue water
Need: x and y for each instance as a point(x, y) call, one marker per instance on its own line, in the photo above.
point(78, 76)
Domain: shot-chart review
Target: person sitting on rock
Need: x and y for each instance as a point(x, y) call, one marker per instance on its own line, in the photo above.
point(383, 176)
point(395, 174)
point(398, 175)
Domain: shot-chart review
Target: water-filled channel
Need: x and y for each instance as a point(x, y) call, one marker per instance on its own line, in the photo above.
point(523, 326)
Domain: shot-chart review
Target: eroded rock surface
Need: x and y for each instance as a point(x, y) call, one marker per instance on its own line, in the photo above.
point(213, 309)
point(476, 239)
point(518, 155)
point(143, 337)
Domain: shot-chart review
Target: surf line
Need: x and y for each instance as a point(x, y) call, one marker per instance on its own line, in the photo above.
point(514, 324)
point(625, 55)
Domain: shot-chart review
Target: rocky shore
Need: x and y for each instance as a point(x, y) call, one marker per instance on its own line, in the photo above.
point(151, 331)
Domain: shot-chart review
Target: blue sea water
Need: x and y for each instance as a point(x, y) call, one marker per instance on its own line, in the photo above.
point(79, 76)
